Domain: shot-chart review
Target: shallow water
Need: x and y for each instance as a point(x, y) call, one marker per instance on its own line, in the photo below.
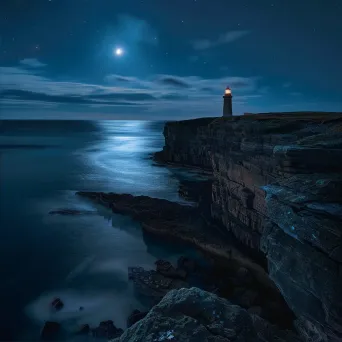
point(81, 259)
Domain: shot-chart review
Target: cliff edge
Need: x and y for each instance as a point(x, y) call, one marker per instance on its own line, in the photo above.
point(278, 189)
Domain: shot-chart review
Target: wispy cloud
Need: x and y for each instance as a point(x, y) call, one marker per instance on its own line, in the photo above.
point(226, 38)
point(170, 83)
point(23, 87)
point(32, 63)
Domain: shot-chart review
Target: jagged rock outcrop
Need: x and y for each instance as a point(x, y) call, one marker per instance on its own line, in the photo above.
point(151, 283)
point(187, 315)
point(278, 188)
point(231, 273)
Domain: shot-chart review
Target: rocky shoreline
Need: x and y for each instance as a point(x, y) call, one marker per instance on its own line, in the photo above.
point(269, 221)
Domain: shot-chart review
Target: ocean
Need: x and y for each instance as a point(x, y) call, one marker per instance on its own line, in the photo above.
point(81, 259)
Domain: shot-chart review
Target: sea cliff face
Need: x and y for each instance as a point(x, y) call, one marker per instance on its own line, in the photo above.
point(278, 189)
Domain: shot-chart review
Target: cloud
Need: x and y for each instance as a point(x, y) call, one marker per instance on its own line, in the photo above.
point(172, 81)
point(32, 63)
point(225, 38)
point(26, 88)
point(192, 83)
point(105, 99)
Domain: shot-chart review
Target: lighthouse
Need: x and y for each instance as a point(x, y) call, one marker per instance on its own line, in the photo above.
point(227, 102)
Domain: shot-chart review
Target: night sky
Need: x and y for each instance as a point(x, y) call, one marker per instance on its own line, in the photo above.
point(60, 58)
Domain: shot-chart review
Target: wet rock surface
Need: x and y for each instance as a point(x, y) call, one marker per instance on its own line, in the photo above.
point(278, 188)
point(72, 212)
point(196, 315)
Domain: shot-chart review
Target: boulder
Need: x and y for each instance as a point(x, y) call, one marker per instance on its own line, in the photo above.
point(193, 315)
point(57, 304)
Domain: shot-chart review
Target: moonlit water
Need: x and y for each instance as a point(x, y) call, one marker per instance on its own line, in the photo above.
point(81, 259)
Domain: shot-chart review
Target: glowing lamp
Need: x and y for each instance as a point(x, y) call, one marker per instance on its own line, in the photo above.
point(228, 91)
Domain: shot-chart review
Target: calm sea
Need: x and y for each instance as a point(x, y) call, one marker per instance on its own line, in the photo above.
point(81, 259)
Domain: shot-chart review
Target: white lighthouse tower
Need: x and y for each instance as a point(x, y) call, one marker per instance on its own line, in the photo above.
point(227, 102)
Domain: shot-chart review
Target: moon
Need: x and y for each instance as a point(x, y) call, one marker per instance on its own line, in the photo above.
point(118, 51)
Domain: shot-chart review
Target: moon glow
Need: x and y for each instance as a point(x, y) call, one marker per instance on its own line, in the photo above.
point(118, 51)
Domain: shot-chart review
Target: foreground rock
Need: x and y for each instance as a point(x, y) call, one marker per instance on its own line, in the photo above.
point(277, 187)
point(236, 284)
point(57, 304)
point(188, 315)
point(50, 331)
point(107, 330)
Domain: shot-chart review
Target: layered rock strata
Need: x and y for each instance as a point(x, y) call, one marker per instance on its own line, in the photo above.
point(278, 188)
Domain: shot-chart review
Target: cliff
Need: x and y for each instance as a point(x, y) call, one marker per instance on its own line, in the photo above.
point(278, 189)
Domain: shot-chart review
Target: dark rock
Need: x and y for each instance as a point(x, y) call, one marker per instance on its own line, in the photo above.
point(186, 264)
point(310, 332)
point(243, 277)
point(255, 310)
point(50, 331)
point(153, 284)
point(198, 191)
point(245, 297)
point(72, 212)
point(194, 315)
point(174, 222)
point(81, 308)
point(158, 218)
point(277, 188)
point(84, 329)
point(107, 329)
point(166, 269)
point(57, 304)
point(135, 316)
